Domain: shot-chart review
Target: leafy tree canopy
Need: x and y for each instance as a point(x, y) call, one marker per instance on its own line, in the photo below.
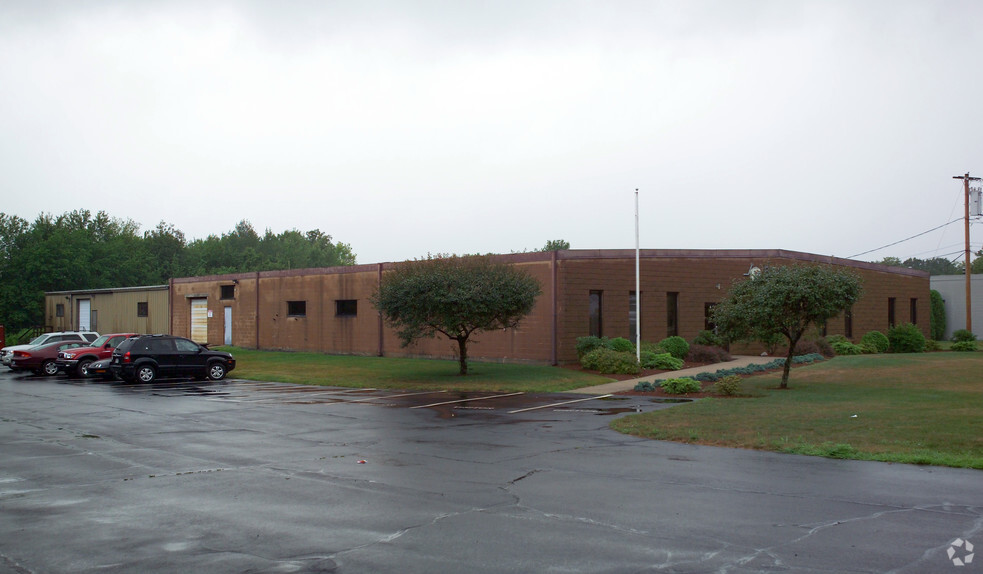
point(556, 244)
point(82, 250)
point(785, 301)
point(455, 296)
point(934, 266)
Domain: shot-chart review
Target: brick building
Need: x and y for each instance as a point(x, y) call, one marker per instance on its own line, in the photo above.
point(583, 292)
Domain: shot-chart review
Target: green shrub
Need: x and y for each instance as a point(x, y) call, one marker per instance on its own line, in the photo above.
point(652, 348)
point(644, 386)
point(937, 318)
point(621, 345)
point(833, 339)
point(708, 339)
point(906, 338)
point(805, 347)
point(705, 354)
point(608, 361)
point(963, 335)
point(661, 361)
point(587, 344)
point(877, 340)
point(675, 346)
point(729, 385)
point(681, 386)
point(847, 348)
point(964, 346)
point(932, 345)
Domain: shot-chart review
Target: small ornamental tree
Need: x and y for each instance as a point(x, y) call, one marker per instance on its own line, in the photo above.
point(785, 301)
point(937, 317)
point(456, 297)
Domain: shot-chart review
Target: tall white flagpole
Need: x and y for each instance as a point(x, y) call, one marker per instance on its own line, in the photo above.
point(638, 291)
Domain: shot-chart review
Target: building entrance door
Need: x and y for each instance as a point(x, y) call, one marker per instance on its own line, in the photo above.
point(228, 325)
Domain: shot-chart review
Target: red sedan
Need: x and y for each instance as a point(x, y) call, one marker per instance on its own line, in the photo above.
point(41, 359)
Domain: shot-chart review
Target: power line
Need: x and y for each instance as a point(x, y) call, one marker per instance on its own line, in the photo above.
point(906, 239)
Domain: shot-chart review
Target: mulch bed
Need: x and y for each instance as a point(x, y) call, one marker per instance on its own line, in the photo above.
point(658, 374)
point(659, 393)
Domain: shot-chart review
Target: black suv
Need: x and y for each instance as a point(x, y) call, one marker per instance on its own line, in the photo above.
point(147, 357)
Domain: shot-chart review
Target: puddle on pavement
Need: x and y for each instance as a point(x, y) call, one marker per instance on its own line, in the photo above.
point(601, 412)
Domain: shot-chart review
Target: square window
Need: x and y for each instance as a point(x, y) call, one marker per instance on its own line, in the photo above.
point(142, 309)
point(228, 292)
point(296, 308)
point(346, 307)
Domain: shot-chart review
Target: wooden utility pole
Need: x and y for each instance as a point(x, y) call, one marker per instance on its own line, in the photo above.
point(969, 298)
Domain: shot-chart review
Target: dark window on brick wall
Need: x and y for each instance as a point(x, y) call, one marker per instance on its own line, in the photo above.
point(228, 292)
point(672, 314)
point(142, 309)
point(914, 311)
point(848, 323)
point(60, 310)
point(296, 308)
point(890, 311)
point(595, 313)
point(346, 307)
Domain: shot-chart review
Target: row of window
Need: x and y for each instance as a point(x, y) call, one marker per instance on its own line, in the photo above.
point(672, 314)
point(343, 308)
point(143, 309)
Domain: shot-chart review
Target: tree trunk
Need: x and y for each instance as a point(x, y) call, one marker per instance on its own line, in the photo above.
point(788, 362)
point(462, 353)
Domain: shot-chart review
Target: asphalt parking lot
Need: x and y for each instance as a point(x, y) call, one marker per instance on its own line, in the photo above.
point(239, 476)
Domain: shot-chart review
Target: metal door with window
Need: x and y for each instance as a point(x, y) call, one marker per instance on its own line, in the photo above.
point(199, 320)
point(228, 325)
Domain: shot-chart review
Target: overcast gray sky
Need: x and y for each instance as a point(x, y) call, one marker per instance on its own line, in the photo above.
point(403, 128)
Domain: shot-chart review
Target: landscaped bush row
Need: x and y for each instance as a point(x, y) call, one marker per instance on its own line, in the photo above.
point(605, 360)
point(618, 355)
point(906, 338)
point(748, 370)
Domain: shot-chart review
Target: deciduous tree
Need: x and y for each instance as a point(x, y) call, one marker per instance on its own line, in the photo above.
point(455, 297)
point(785, 301)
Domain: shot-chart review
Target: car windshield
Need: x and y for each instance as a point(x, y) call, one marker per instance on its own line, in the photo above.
point(100, 341)
point(38, 340)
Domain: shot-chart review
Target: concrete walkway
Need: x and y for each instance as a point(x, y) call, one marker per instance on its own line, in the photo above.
point(618, 386)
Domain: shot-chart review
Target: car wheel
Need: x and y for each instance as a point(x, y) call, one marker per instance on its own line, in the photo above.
point(216, 371)
point(146, 374)
point(83, 368)
point(49, 368)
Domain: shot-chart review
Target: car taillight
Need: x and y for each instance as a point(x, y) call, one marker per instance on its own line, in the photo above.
point(126, 357)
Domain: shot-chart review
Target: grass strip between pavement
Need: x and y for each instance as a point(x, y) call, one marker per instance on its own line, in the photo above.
point(912, 408)
point(399, 373)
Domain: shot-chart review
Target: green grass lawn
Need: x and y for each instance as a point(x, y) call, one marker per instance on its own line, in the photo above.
point(397, 373)
point(914, 408)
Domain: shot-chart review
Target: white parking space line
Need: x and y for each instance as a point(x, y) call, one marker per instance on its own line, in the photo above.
point(370, 399)
point(560, 404)
point(466, 400)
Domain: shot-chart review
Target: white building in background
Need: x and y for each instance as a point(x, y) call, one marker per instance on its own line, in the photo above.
point(953, 291)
